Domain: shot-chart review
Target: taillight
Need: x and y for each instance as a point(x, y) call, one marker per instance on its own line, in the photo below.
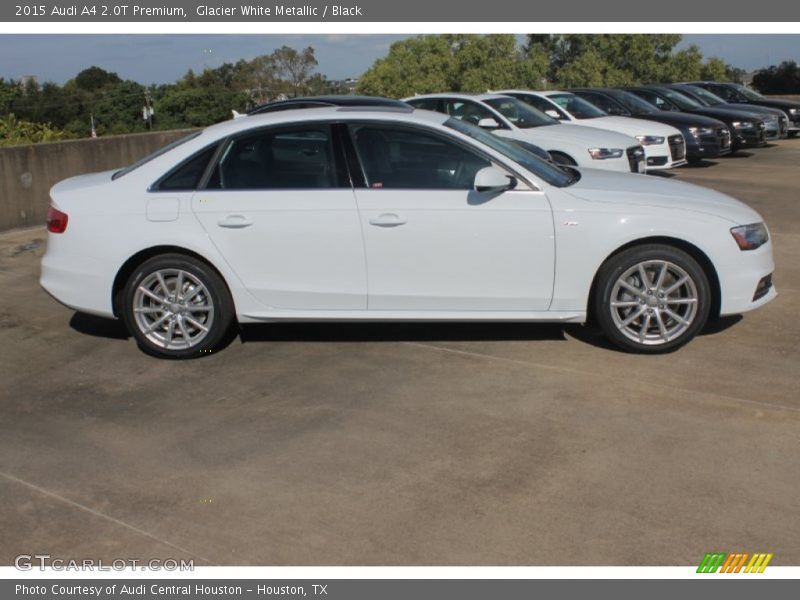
point(56, 220)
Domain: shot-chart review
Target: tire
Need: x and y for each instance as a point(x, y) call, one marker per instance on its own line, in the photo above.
point(792, 134)
point(196, 324)
point(636, 317)
point(562, 159)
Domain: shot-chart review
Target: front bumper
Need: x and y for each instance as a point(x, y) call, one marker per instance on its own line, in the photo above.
point(711, 145)
point(752, 137)
point(746, 281)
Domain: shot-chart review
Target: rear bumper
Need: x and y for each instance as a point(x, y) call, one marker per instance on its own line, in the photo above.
point(74, 282)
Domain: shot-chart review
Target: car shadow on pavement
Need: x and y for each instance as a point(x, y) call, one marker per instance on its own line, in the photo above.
point(399, 332)
point(699, 164)
point(719, 325)
point(98, 326)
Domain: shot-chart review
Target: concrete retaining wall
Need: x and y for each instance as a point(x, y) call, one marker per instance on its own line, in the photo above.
point(28, 172)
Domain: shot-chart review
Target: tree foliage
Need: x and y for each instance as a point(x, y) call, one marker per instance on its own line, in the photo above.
point(778, 79)
point(621, 59)
point(15, 132)
point(458, 63)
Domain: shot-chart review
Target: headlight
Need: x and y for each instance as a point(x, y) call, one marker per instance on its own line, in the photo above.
point(750, 237)
point(742, 124)
point(604, 153)
point(696, 131)
point(795, 112)
point(649, 140)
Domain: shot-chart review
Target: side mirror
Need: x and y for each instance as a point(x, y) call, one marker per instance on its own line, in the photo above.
point(490, 179)
point(553, 113)
point(488, 123)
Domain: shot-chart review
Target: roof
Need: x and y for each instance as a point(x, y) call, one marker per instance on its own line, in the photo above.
point(300, 115)
point(310, 101)
point(458, 96)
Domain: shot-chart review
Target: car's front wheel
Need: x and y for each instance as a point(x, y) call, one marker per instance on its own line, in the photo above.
point(652, 298)
point(177, 306)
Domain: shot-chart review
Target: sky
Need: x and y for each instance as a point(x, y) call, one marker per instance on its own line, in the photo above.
point(165, 58)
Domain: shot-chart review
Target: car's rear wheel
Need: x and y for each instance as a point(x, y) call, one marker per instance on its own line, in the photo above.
point(177, 306)
point(652, 298)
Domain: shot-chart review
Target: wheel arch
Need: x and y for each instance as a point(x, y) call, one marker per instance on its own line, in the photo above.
point(554, 153)
point(141, 256)
point(694, 251)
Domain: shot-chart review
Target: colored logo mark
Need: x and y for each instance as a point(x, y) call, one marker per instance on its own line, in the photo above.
point(734, 562)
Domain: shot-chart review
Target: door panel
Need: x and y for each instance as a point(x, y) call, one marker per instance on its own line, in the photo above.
point(433, 243)
point(458, 250)
point(280, 212)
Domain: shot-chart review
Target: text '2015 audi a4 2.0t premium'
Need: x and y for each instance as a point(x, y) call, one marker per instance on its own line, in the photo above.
point(383, 213)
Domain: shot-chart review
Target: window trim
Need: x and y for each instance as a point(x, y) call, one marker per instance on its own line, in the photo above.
point(615, 102)
point(436, 133)
point(340, 164)
point(155, 187)
point(498, 116)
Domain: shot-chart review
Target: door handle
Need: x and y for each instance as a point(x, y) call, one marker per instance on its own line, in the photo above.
point(388, 220)
point(235, 222)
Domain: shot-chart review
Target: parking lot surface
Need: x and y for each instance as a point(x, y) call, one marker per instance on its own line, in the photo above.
point(407, 444)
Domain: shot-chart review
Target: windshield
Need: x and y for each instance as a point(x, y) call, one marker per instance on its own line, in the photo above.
point(681, 101)
point(515, 153)
point(577, 107)
point(635, 104)
point(156, 154)
point(709, 98)
point(520, 114)
point(748, 93)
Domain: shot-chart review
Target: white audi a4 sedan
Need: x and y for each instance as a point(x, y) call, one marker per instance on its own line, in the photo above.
point(392, 214)
point(567, 144)
point(664, 146)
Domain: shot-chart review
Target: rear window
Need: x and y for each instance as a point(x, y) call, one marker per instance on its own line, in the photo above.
point(156, 154)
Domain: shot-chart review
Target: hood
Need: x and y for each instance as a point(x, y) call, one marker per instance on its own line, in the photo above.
point(753, 108)
point(587, 137)
point(622, 188)
point(775, 103)
point(632, 126)
point(726, 114)
point(681, 119)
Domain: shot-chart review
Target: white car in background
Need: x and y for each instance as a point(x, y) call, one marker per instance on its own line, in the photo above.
point(567, 144)
point(663, 144)
point(384, 214)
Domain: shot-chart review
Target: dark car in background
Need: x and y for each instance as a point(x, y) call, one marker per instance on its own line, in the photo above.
point(748, 130)
point(705, 137)
point(738, 94)
point(776, 121)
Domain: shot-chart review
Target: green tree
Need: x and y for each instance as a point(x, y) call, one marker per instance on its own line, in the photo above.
point(715, 69)
point(616, 59)
point(296, 68)
point(460, 63)
point(14, 132)
point(778, 79)
point(418, 65)
point(95, 78)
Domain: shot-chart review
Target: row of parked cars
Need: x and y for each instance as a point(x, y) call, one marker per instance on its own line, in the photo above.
point(369, 209)
point(638, 129)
